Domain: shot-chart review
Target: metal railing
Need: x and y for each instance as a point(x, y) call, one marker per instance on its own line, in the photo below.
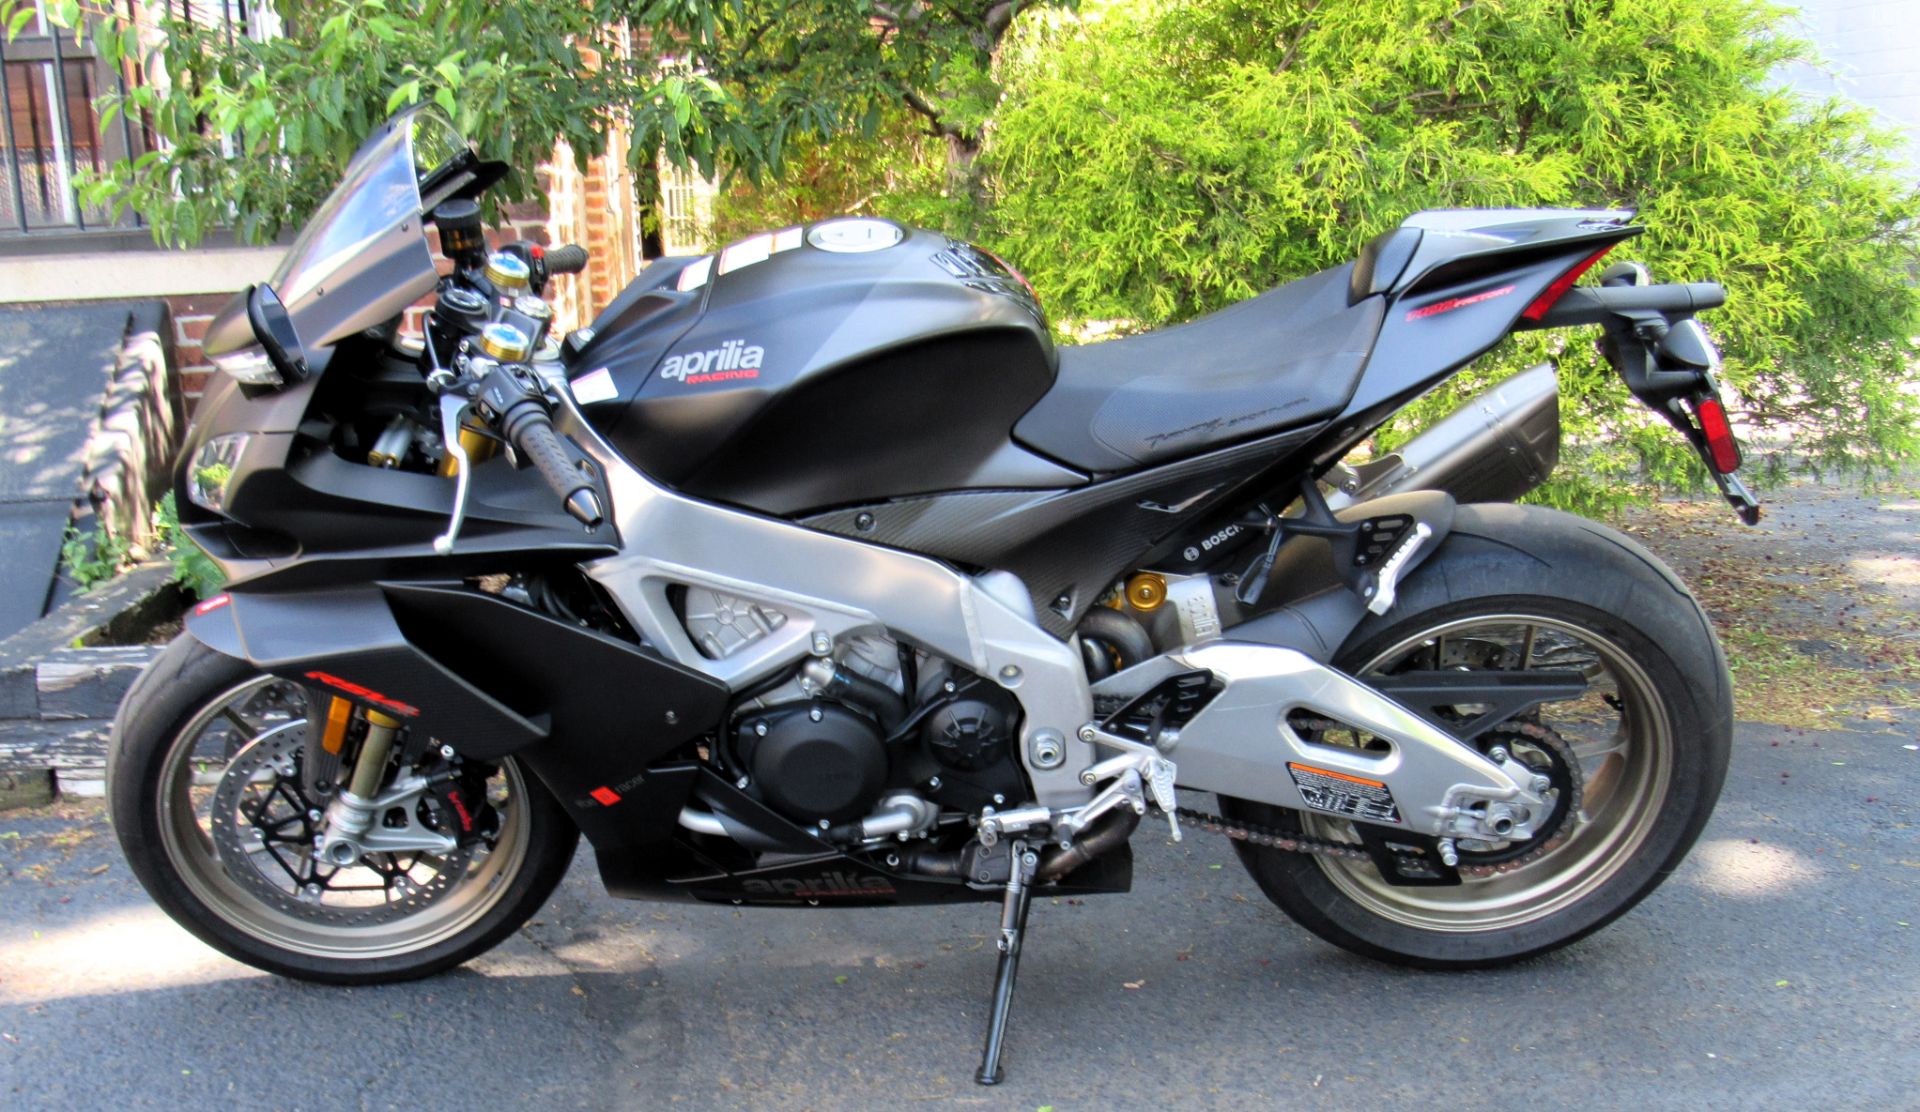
point(49, 83)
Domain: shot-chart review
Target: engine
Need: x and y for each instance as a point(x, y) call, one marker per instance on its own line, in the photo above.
point(871, 727)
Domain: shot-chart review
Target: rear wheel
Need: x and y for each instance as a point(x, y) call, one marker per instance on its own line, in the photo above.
point(1637, 760)
point(212, 813)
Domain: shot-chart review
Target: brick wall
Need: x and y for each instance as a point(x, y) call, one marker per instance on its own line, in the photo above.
point(597, 210)
point(192, 314)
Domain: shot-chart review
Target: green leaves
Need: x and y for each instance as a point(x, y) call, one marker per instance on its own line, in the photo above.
point(255, 133)
point(1163, 161)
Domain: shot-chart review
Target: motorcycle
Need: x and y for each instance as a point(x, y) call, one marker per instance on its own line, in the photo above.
point(812, 574)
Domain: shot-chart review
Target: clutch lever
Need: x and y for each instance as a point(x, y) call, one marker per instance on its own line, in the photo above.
point(452, 408)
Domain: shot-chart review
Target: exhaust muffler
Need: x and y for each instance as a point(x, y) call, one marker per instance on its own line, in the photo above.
point(1498, 446)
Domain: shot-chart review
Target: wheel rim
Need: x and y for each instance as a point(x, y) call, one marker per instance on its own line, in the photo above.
point(1619, 732)
point(267, 710)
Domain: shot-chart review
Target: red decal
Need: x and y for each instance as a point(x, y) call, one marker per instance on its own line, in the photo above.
point(405, 710)
point(212, 604)
point(606, 797)
point(460, 805)
point(1452, 303)
point(723, 376)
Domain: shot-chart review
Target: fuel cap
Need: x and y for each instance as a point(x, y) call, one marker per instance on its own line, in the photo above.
point(854, 235)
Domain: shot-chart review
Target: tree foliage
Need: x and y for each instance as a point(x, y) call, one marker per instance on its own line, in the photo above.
point(819, 69)
point(1153, 161)
point(254, 131)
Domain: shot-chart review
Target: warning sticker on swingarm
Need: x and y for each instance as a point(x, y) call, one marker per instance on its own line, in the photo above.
point(1340, 793)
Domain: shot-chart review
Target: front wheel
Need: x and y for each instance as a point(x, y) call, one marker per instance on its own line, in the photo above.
point(216, 820)
point(1640, 757)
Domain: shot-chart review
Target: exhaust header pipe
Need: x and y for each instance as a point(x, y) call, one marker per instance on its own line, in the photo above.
point(1498, 446)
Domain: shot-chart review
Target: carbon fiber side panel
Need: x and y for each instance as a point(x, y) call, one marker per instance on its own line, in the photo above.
point(1065, 545)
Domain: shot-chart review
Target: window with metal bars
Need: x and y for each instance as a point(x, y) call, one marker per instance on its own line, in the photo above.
point(51, 135)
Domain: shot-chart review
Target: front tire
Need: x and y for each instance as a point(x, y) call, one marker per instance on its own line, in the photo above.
point(1516, 586)
point(195, 714)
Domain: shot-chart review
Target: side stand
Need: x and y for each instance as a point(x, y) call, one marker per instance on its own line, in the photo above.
point(1013, 925)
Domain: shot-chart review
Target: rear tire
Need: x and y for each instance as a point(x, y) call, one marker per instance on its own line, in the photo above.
point(1518, 567)
point(159, 767)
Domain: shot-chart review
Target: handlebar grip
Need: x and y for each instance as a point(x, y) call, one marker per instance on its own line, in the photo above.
point(531, 433)
point(570, 259)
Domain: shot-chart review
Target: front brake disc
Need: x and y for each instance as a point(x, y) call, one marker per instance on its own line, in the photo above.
point(264, 832)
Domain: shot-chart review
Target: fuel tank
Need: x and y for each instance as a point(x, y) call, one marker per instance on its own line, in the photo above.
point(847, 361)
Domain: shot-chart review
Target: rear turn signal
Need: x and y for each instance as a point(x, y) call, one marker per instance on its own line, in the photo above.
point(1561, 285)
point(1723, 452)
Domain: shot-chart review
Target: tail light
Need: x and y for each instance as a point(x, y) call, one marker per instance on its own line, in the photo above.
point(1723, 452)
point(1561, 285)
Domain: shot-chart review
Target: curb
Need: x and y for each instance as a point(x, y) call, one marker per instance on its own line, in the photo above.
point(56, 716)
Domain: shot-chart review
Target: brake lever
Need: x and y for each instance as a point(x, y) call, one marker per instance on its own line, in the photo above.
point(452, 407)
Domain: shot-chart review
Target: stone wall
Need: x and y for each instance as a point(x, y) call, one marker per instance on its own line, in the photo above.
point(137, 430)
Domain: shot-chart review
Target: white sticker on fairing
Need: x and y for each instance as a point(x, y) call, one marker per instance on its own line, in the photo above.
point(594, 386)
point(746, 253)
point(786, 239)
point(695, 275)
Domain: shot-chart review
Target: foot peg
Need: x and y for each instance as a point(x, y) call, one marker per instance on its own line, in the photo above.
point(1013, 925)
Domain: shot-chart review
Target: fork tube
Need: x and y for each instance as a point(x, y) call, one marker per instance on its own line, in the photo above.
point(371, 768)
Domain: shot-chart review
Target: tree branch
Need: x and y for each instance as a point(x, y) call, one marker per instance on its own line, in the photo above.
point(937, 122)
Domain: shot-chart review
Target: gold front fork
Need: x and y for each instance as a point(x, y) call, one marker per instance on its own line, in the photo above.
point(372, 765)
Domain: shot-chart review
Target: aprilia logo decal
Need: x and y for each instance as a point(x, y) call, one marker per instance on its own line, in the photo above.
point(735, 359)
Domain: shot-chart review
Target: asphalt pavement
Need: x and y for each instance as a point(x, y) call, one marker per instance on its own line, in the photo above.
point(1780, 965)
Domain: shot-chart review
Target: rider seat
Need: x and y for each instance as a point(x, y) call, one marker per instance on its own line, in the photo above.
point(1286, 358)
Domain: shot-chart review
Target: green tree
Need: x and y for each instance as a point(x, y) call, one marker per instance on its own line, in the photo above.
point(1156, 160)
point(254, 132)
point(820, 68)
point(900, 172)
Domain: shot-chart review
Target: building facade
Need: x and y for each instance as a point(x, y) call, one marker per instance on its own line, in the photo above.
point(1870, 52)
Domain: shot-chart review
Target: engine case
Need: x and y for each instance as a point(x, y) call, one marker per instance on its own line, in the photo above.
point(815, 761)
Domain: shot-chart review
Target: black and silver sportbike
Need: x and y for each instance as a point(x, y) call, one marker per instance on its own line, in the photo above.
point(814, 575)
